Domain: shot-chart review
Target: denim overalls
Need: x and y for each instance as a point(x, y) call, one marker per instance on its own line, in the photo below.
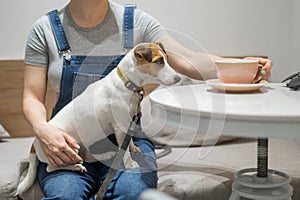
point(86, 70)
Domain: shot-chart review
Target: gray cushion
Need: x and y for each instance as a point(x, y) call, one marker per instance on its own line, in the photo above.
point(207, 172)
point(3, 133)
point(13, 151)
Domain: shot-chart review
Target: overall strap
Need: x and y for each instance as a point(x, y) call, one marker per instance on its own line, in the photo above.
point(58, 31)
point(128, 26)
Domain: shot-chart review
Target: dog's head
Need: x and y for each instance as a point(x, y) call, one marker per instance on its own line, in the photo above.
point(152, 64)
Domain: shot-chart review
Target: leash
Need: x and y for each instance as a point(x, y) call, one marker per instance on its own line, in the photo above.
point(135, 121)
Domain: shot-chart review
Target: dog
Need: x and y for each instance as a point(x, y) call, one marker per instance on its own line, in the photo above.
point(115, 102)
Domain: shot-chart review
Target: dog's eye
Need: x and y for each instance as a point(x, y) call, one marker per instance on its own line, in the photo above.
point(160, 61)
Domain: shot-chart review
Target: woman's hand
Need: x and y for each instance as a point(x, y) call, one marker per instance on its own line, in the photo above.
point(267, 65)
point(59, 148)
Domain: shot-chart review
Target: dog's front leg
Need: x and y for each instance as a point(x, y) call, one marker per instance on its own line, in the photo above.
point(133, 148)
point(129, 163)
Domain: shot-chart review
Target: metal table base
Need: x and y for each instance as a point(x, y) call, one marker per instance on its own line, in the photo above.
point(261, 183)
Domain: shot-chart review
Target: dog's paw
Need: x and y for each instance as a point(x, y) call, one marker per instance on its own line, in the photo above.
point(135, 149)
point(79, 167)
point(132, 165)
point(76, 167)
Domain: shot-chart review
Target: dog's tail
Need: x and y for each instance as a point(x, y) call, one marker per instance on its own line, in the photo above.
point(30, 176)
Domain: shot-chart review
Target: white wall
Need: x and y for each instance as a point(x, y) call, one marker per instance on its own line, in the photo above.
point(295, 64)
point(16, 19)
point(229, 27)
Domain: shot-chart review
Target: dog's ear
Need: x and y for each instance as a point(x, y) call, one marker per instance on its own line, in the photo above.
point(143, 52)
point(161, 46)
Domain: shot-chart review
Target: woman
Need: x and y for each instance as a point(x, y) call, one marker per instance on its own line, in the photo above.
point(55, 51)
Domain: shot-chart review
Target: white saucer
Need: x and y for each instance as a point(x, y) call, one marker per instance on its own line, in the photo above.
point(230, 87)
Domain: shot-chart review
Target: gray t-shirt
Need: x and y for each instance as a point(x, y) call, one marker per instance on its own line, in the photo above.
point(103, 39)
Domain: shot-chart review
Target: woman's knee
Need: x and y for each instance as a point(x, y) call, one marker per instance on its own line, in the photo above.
point(68, 186)
point(130, 185)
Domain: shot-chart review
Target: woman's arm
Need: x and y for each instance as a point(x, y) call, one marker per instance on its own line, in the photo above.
point(197, 65)
point(57, 145)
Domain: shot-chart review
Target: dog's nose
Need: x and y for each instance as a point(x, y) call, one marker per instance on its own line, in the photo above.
point(177, 79)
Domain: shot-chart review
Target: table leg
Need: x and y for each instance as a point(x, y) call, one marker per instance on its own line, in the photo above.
point(261, 183)
point(262, 157)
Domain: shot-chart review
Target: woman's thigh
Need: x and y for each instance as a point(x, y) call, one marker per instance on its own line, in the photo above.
point(130, 183)
point(65, 185)
point(127, 183)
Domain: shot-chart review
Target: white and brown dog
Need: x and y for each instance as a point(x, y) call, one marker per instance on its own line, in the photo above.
point(107, 107)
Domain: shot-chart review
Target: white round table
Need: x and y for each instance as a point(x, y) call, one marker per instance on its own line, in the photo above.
point(271, 111)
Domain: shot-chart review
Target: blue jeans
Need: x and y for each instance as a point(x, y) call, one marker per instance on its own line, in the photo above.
point(127, 184)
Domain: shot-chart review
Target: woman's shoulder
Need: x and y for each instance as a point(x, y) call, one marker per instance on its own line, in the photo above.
point(43, 21)
point(115, 7)
point(40, 23)
point(140, 15)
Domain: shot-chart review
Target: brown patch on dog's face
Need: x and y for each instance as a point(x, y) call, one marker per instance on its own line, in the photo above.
point(150, 58)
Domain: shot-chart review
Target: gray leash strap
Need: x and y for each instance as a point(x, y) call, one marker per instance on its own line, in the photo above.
point(119, 157)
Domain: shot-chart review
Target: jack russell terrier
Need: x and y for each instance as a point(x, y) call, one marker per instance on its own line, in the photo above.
point(106, 107)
